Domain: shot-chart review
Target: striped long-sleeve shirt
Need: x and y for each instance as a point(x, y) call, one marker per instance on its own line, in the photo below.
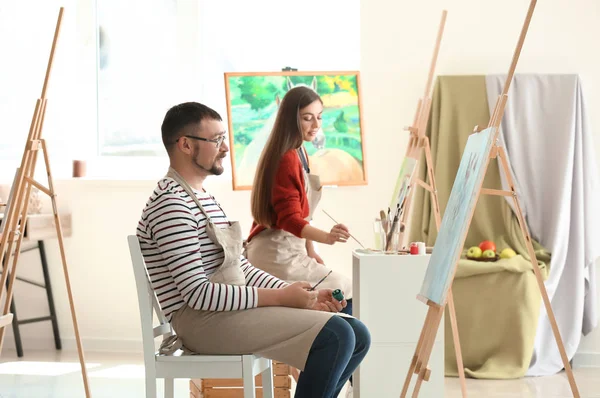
point(180, 257)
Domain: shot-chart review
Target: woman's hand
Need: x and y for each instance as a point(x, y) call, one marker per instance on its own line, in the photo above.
point(339, 233)
point(310, 250)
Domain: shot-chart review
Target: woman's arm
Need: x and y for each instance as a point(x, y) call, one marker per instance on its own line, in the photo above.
point(339, 233)
point(310, 250)
point(287, 193)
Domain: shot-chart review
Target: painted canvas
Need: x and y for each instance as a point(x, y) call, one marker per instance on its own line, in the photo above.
point(457, 216)
point(407, 170)
point(337, 152)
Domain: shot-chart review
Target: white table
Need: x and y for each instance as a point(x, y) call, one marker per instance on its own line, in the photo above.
point(385, 288)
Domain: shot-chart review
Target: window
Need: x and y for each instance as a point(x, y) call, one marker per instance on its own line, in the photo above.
point(153, 55)
point(137, 74)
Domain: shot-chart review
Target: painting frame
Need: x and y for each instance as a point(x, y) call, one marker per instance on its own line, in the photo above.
point(242, 179)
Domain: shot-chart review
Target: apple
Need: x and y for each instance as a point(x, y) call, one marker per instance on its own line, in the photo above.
point(487, 245)
point(489, 254)
point(507, 253)
point(474, 252)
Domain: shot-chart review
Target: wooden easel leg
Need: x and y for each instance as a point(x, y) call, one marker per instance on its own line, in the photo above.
point(457, 348)
point(13, 276)
point(22, 218)
point(416, 359)
point(428, 343)
point(10, 225)
point(538, 274)
point(21, 201)
point(4, 264)
point(13, 208)
point(63, 257)
point(451, 308)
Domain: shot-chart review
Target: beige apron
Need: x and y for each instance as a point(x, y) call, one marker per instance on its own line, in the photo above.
point(284, 255)
point(279, 333)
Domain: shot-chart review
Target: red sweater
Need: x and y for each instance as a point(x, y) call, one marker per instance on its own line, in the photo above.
point(288, 197)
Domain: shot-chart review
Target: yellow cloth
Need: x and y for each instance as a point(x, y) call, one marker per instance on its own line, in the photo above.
point(497, 303)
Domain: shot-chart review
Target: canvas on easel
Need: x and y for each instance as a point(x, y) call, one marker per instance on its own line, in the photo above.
point(482, 146)
point(448, 244)
point(15, 217)
point(403, 183)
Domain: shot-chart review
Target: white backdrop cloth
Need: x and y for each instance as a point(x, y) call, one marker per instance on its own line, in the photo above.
point(551, 155)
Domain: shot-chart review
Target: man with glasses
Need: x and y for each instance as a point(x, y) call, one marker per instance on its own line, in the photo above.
point(216, 301)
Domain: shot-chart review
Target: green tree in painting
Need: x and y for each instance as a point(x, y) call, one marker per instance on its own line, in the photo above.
point(340, 123)
point(297, 80)
point(256, 92)
point(326, 84)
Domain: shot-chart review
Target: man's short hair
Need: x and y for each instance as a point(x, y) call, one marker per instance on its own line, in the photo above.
point(182, 115)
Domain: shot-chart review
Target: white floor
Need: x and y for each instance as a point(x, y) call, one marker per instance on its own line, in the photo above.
point(52, 374)
point(556, 386)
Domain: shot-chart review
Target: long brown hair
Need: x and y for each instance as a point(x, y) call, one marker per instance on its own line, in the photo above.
point(286, 135)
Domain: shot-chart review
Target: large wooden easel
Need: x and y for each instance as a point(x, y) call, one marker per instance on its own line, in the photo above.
point(15, 219)
point(434, 314)
point(419, 144)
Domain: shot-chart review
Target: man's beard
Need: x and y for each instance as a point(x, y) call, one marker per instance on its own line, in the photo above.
point(215, 168)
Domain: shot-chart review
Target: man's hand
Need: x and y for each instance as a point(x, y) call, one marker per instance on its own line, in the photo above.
point(326, 302)
point(297, 295)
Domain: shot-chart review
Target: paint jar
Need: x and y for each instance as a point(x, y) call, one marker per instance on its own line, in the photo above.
point(79, 168)
point(387, 235)
point(421, 247)
point(414, 248)
point(337, 294)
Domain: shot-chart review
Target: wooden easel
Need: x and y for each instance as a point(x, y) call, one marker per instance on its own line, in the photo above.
point(418, 144)
point(436, 310)
point(15, 218)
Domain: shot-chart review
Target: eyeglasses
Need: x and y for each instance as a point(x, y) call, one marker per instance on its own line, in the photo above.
point(217, 141)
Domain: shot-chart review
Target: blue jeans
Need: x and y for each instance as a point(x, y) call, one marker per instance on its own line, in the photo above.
point(348, 309)
point(336, 352)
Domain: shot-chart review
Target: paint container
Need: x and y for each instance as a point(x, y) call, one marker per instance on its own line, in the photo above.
point(337, 294)
point(421, 247)
point(414, 249)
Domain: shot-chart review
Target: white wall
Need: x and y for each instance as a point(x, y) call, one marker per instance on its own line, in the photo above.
point(396, 41)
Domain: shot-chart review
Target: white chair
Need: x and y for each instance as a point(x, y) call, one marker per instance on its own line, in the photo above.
point(170, 367)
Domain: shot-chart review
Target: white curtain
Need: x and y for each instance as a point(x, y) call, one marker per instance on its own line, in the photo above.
point(551, 154)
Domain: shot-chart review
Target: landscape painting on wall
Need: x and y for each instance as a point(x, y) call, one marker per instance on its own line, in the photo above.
point(337, 152)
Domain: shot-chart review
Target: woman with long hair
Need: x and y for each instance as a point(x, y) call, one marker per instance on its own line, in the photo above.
point(284, 197)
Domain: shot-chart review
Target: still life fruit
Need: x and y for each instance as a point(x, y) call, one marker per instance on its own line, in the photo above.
point(474, 252)
point(507, 253)
point(486, 251)
point(488, 254)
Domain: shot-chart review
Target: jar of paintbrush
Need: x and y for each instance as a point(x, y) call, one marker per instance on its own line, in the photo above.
point(387, 232)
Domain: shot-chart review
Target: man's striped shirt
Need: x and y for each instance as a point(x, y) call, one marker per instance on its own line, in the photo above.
point(180, 257)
